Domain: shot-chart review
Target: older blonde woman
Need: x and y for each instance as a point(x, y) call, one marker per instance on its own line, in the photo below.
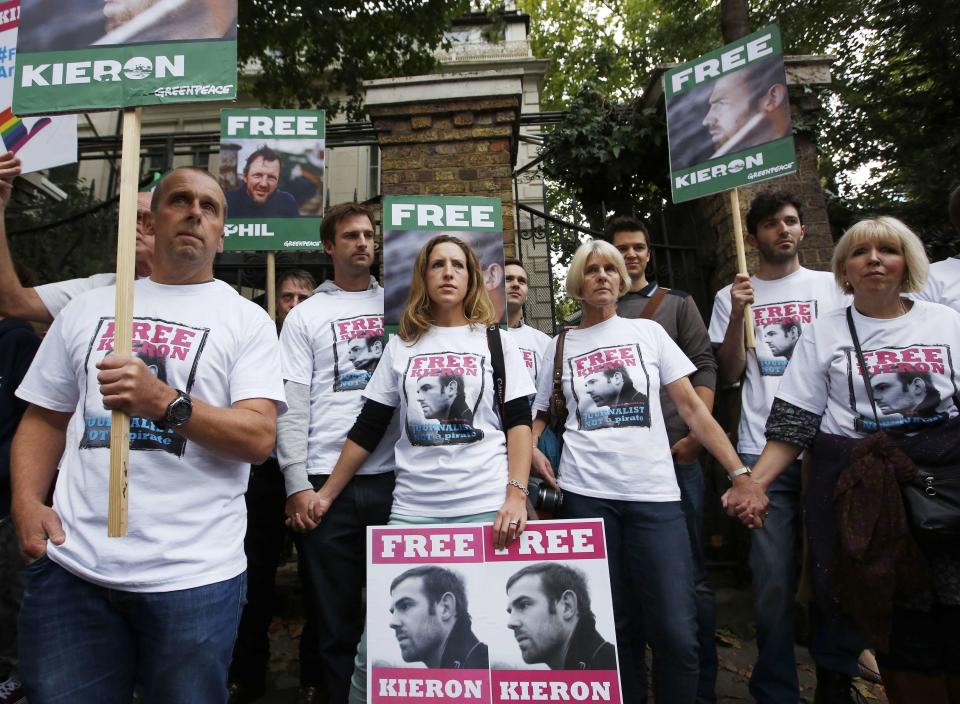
point(909, 350)
point(616, 464)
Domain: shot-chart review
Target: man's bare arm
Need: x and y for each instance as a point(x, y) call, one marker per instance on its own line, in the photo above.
point(37, 448)
point(732, 353)
point(15, 300)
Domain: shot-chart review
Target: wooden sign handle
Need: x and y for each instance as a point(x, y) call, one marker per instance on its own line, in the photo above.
point(750, 340)
point(272, 285)
point(123, 318)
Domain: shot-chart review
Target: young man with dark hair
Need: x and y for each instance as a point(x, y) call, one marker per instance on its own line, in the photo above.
point(551, 619)
point(431, 620)
point(780, 292)
point(259, 195)
point(677, 312)
point(324, 389)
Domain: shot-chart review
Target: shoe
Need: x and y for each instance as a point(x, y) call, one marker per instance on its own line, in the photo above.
point(11, 692)
point(867, 666)
point(833, 688)
point(244, 693)
point(309, 695)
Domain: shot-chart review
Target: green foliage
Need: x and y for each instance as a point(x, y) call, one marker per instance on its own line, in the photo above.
point(317, 54)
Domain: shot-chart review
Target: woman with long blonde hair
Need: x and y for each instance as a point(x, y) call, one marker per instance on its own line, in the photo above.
point(461, 456)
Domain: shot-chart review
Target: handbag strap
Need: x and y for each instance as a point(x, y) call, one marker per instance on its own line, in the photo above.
point(863, 365)
point(558, 364)
point(496, 361)
point(655, 300)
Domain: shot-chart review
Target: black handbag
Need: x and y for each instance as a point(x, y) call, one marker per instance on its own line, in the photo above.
point(932, 495)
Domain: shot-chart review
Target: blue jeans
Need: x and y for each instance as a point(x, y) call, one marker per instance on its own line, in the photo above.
point(774, 564)
point(651, 578)
point(85, 644)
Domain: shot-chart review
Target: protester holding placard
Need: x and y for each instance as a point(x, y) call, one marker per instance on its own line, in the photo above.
point(41, 304)
point(884, 363)
point(613, 371)
point(160, 607)
point(786, 298)
point(461, 457)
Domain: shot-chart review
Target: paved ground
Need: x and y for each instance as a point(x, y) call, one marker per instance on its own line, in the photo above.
point(735, 641)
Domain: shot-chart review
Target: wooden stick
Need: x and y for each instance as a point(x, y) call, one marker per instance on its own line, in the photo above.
point(272, 285)
point(750, 340)
point(123, 319)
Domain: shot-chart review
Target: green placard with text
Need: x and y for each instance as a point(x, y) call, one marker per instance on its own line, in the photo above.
point(73, 57)
point(728, 118)
point(272, 170)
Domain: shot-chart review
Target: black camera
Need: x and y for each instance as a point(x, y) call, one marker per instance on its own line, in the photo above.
point(544, 497)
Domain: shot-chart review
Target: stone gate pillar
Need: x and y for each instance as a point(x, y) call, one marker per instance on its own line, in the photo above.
point(450, 134)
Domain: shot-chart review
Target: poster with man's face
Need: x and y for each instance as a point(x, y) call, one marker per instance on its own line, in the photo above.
point(450, 619)
point(271, 170)
point(409, 222)
point(102, 54)
point(728, 117)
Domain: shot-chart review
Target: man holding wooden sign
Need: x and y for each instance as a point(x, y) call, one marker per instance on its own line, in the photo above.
point(159, 608)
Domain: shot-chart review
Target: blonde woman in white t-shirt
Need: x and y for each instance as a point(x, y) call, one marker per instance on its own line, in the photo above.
point(824, 404)
point(616, 464)
point(459, 459)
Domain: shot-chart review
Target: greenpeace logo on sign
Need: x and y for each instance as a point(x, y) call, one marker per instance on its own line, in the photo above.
point(717, 170)
point(103, 70)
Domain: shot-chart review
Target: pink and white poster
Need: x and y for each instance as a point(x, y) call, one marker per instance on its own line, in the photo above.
point(452, 620)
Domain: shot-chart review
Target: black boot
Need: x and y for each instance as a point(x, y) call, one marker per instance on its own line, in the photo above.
point(833, 688)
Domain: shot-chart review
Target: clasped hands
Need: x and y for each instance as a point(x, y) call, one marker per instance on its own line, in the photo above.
point(747, 501)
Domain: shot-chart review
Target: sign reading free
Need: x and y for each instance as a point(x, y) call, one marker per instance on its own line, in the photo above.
point(728, 118)
point(272, 168)
point(73, 57)
point(434, 213)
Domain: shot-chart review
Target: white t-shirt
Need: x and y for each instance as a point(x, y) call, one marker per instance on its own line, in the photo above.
point(782, 310)
point(332, 342)
point(58, 294)
point(187, 516)
point(532, 345)
point(615, 443)
point(943, 284)
point(910, 362)
point(452, 453)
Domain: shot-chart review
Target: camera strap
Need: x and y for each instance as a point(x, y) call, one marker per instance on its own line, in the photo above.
point(496, 363)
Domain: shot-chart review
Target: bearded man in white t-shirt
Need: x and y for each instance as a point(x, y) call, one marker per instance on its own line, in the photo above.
point(324, 381)
point(41, 304)
point(159, 607)
point(781, 293)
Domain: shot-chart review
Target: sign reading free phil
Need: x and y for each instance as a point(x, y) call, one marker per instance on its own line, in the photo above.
point(272, 169)
point(75, 56)
point(728, 118)
point(409, 222)
point(504, 637)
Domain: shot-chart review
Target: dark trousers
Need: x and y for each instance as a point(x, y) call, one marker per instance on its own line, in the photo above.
point(263, 543)
point(333, 569)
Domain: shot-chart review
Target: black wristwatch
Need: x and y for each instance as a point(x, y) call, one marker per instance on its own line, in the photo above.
point(178, 412)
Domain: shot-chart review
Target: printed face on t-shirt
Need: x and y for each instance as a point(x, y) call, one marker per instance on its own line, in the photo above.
point(778, 328)
point(358, 344)
point(171, 351)
point(912, 386)
point(611, 388)
point(442, 392)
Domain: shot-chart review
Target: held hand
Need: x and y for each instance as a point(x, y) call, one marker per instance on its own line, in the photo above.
point(741, 294)
point(541, 467)
point(511, 519)
point(686, 450)
point(299, 508)
point(128, 385)
point(9, 170)
point(747, 501)
point(35, 525)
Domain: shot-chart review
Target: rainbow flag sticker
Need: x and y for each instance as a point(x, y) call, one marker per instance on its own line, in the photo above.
point(14, 132)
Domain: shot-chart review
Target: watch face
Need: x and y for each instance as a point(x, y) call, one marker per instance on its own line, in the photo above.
point(180, 410)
